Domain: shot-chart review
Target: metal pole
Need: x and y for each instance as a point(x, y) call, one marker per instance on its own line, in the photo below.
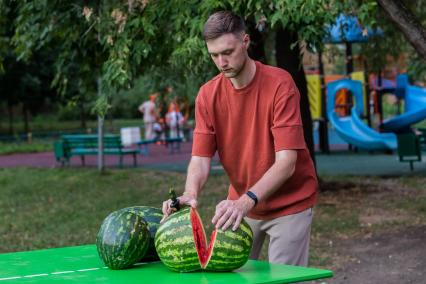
point(323, 123)
point(367, 93)
point(349, 59)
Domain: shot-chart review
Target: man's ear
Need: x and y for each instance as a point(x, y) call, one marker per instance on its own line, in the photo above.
point(246, 41)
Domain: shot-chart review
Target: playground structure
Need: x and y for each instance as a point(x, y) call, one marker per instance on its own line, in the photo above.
point(415, 110)
point(352, 102)
point(351, 128)
point(354, 128)
point(348, 119)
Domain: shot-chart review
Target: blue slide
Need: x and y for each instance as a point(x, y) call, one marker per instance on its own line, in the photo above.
point(351, 128)
point(415, 110)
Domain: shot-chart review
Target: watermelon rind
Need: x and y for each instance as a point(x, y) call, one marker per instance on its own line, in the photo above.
point(174, 242)
point(231, 249)
point(152, 216)
point(123, 239)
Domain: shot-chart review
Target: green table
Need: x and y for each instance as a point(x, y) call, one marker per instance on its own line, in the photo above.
point(81, 264)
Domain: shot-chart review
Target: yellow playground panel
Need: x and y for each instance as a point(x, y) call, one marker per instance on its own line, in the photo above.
point(314, 95)
point(360, 76)
point(314, 92)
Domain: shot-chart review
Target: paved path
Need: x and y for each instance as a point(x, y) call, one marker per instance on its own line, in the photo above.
point(158, 155)
point(338, 162)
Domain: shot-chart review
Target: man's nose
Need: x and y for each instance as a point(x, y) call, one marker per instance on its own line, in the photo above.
point(223, 62)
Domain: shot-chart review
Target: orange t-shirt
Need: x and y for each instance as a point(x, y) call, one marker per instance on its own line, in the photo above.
point(247, 126)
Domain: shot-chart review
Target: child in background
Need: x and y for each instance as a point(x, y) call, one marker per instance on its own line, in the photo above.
point(174, 120)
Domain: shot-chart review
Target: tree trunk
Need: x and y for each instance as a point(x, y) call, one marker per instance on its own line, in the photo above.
point(26, 119)
point(10, 110)
point(83, 122)
point(407, 23)
point(290, 59)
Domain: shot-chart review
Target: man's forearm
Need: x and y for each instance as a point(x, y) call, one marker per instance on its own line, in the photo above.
point(274, 178)
point(198, 172)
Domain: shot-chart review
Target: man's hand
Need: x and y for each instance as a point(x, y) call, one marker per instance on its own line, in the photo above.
point(184, 200)
point(231, 212)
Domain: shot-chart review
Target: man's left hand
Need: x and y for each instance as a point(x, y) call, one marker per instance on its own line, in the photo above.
point(231, 212)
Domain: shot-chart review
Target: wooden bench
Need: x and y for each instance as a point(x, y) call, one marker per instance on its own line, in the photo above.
point(172, 143)
point(85, 145)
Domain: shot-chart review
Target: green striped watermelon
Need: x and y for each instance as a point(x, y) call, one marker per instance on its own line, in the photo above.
point(123, 239)
point(152, 216)
point(182, 245)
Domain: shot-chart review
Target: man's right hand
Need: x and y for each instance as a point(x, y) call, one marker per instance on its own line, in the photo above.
point(184, 200)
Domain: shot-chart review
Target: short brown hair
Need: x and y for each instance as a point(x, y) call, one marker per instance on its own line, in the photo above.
point(223, 22)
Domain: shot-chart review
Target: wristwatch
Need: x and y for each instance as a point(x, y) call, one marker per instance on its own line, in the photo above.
point(252, 197)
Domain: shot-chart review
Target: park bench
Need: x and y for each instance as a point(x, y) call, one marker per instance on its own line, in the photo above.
point(172, 143)
point(83, 145)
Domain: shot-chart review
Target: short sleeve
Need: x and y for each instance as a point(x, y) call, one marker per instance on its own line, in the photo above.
point(287, 128)
point(204, 139)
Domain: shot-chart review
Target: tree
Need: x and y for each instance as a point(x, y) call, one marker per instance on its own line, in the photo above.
point(115, 41)
point(407, 23)
point(25, 84)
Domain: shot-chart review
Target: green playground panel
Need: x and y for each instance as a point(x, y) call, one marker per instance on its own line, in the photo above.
point(81, 264)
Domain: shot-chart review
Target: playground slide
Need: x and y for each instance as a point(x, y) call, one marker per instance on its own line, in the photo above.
point(354, 131)
point(351, 128)
point(415, 111)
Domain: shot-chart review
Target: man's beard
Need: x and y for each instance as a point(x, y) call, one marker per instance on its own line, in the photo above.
point(235, 72)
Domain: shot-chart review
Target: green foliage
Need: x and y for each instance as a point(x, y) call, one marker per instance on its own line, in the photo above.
point(417, 69)
point(119, 41)
point(393, 43)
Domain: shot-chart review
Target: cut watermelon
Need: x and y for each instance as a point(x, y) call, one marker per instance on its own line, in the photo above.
point(182, 245)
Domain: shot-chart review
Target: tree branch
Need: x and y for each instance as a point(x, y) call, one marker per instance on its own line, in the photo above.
point(407, 22)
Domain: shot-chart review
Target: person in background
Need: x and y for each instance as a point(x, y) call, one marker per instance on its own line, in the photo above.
point(149, 111)
point(159, 130)
point(174, 120)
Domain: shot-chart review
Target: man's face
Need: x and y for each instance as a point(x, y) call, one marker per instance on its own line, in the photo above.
point(229, 53)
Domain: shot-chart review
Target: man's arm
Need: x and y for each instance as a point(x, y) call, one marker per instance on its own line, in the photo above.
point(198, 172)
point(231, 212)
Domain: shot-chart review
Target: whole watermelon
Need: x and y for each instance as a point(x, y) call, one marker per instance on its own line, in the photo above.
point(123, 239)
point(152, 216)
point(182, 245)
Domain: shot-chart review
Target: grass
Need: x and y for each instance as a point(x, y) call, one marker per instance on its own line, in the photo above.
point(43, 208)
point(51, 124)
point(37, 145)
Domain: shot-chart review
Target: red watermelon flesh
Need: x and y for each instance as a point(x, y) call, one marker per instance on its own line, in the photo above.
point(204, 251)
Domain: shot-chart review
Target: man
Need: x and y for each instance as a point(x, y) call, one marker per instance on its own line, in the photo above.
point(148, 109)
point(249, 114)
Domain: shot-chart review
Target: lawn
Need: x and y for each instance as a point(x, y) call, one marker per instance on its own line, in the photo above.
point(43, 208)
point(37, 145)
point(45, 124)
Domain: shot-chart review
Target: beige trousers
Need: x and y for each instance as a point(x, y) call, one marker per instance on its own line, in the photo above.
point(288, 238)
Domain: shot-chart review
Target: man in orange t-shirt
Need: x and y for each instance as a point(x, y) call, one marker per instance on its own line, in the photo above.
point(250, 115)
